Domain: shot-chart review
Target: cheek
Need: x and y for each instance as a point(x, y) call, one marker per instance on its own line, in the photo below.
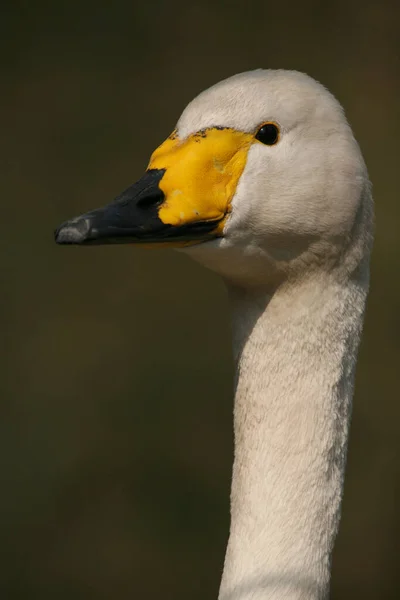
point(289, 202)
point(255, 206)
point(281, 200)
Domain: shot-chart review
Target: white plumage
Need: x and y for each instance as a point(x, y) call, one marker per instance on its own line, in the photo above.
point(295, 256)
point(288, 225)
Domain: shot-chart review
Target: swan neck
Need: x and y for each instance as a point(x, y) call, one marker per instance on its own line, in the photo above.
point(296, 352)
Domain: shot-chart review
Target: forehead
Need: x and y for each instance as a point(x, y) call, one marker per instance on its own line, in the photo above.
point(246, 100)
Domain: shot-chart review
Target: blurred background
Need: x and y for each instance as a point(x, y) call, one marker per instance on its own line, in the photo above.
point(116, 399)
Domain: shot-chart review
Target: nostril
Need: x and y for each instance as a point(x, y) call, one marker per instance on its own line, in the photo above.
point(150, 198)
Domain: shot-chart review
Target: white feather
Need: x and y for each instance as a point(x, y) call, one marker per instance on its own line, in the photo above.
point(295, 256)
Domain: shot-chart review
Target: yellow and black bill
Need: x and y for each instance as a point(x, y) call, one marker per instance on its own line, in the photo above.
point(184, 197)
point(132, 217)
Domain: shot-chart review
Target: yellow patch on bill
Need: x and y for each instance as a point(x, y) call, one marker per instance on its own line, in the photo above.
point(201, 175)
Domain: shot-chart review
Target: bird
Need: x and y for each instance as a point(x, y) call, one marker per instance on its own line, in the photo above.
point(263, 182)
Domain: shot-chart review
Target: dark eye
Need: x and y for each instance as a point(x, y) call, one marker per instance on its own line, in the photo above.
point(268, 134)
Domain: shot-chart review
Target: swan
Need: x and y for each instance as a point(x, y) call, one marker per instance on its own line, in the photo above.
point(263, 182)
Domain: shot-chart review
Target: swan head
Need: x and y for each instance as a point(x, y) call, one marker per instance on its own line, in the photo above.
point(261, 178)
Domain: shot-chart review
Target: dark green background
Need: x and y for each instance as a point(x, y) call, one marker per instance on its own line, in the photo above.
point(116, 400)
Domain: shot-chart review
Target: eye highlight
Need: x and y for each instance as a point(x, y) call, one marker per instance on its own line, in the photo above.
point(268, 134)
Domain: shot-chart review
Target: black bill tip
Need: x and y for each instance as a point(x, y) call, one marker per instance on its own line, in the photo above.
point(72, 232)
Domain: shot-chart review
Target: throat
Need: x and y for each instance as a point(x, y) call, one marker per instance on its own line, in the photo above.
point(296, 353)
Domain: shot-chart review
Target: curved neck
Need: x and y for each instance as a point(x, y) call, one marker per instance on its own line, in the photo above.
point(296, 352)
